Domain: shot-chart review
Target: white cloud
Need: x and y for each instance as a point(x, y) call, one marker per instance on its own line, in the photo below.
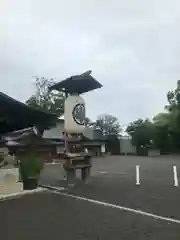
point(131, 46)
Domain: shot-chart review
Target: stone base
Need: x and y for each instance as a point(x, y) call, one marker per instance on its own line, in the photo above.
point(11, 188)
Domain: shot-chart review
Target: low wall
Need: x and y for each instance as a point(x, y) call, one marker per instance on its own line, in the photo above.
point(9, 181)
point(126, 147)
point(154, 153)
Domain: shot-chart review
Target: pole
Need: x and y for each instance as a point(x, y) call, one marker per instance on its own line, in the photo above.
point(65, 133)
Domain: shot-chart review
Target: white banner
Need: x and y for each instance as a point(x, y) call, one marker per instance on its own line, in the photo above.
point(74, 114)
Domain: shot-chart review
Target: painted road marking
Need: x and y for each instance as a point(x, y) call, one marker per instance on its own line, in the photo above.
point(137, 175)
point(20, 194)
point(119, 207)
point(176, 183)
point(103, 172)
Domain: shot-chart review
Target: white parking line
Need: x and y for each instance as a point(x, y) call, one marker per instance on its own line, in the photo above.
point(137, 175)
point(105, 204)
point(176, 183)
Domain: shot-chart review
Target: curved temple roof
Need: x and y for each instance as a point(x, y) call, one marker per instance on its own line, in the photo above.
point(77, 84)
point(15, 115)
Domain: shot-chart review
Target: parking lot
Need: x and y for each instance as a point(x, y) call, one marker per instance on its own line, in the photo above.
point(114, 181)
point(110, 206)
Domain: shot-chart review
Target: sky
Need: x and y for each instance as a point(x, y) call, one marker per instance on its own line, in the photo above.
point(131, 46)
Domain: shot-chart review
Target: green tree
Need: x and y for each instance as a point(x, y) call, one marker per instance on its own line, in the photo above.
point(45, 100)
point(173, 97)
point(161, 136)
point(173, 109)
point(142, 132)
point(164, 130)
point(108, 124)
point(168, 120)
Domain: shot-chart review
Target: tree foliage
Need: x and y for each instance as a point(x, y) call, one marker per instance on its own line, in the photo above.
point(164, 130)
point(108, 124)
point(142, 132)
point(45, 100)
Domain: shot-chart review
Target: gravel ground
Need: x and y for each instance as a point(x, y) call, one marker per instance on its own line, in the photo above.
point(52, 216)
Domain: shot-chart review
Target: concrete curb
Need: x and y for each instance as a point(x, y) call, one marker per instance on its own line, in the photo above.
point(49, 187)
point(20, 194)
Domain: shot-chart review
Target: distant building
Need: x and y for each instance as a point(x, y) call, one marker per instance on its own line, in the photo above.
point(51, 144)
point(126, 147)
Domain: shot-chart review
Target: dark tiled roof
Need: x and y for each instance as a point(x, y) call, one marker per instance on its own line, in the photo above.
point(15, 115)
point(77, 84)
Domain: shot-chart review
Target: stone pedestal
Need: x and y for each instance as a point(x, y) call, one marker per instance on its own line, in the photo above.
point(9, 181)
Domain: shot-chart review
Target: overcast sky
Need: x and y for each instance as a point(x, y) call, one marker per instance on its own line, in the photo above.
point(131, 46)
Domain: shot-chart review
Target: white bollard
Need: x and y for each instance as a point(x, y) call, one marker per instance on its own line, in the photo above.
point(137, 175)
point(176, 183)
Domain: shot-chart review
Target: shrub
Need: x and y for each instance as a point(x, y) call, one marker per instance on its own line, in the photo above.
point(31, 166)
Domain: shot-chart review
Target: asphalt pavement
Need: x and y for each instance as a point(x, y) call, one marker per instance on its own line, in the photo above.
point(92, 213)
point(114, 181)
point(52, 216)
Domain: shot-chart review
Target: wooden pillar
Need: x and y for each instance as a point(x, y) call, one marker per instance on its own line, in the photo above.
point(85, 173)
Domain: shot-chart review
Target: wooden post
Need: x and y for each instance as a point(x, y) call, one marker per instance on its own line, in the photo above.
point(66, 142)
point(85, 173)
point(65, 133)
point(71, 176)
